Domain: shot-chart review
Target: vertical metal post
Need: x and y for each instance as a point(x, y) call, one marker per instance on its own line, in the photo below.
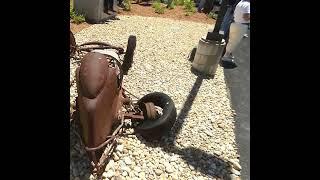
point(214, 35)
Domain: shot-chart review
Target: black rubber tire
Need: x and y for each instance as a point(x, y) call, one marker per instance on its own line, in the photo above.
point(128, 57)
point(155, 129)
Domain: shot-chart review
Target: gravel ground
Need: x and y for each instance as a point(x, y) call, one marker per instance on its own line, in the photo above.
point(202, 144)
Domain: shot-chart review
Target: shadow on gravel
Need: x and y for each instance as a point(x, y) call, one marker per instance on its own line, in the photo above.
point(187, 106)
point(111, 18)
point(200, 75)
point(79, 161)
point(208, 164)
point(192, 54)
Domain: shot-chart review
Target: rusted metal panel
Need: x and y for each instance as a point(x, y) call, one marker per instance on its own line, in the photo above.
point(102, 101)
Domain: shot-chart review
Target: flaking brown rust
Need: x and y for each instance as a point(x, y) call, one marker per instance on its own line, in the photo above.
point(102, 103)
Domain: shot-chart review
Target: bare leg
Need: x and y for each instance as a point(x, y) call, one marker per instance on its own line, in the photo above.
point(236, 33)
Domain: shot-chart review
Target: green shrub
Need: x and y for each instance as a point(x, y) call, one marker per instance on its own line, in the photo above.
point(178, 2)
point(156, 1)
point(212, 15)
point(159, 10)
point(72, 13)
point(77, 18)
point(155, 4)
point(127, 5)
point(158, 7)
point(189, 6)
point(171, 6)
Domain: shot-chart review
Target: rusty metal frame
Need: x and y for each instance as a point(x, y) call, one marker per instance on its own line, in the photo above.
point(89, 46)
point(111, 141)
point(132, 110)
point(134, 114)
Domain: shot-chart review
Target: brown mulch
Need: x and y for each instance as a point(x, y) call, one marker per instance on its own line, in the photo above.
point(78, 27)
point(178, 13)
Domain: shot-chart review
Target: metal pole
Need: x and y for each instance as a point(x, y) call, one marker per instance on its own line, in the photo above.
point(214, 35)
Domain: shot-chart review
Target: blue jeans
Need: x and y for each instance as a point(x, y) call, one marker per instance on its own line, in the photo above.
point(225, 25)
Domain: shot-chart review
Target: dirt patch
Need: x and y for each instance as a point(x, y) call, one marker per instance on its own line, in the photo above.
point(178, 13)
point(78, 27)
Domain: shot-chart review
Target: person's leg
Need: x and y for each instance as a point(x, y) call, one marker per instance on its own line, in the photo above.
point(226, 35)
point(246, 34)
point(236, 33)
point(111, 5)
point(225, 22)
point(106, 6)
point(201, 5)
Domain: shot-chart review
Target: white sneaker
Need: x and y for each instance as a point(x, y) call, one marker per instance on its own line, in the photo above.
point(245, 35)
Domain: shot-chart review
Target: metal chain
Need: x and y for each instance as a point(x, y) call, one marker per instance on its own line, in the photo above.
point(130, 93)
